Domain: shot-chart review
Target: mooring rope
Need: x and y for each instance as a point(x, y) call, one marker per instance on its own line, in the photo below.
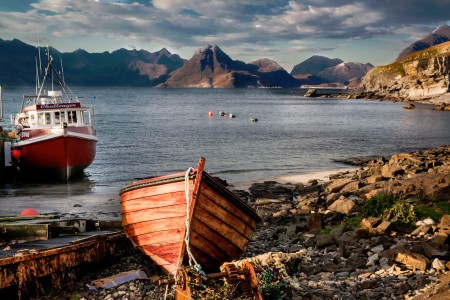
point(188, 221)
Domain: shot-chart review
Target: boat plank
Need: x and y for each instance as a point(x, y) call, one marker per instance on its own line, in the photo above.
point(225, 216)
point(153, 202)
point(166, 188)
point(216, 251)
point(154, 214)
point(211, 193)
point(210, 227)
point(168, 263)
point(160, 237)
point(177, 223)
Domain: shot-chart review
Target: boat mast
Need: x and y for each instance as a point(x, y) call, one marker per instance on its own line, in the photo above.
point(49, 63)
point(37, 76)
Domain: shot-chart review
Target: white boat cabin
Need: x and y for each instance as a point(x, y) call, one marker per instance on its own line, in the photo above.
point(49, 112)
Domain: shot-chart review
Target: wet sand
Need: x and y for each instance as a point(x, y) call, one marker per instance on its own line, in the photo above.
point(89, 206)
point(294, 178)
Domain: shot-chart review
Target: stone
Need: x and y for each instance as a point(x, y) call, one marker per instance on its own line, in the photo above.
point(383, 227)
point(368, 284)
point(336, 185)
point(371, 260)
point(362, 233)
point(372, 193)
point(412, 261)
point(370, 222)
point(427, 221)
point(314, 221)
point(324, 240)
point(292, 230)
point(351, 187)
point(343, 205)
point(337, 232)
point(374, 179)
point(332, 197)
point(440, 238)
point(438, 265)
point(445, 222)
point(423, 229)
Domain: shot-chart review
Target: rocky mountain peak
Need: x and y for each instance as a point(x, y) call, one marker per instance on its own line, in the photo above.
point(314, 65)
point(442, 29)
point(438, 36)
point(345, 71)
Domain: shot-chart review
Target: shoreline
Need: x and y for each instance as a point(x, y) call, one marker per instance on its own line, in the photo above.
point(296, 178)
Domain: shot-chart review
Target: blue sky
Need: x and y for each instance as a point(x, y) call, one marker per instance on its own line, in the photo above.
point(285, 31)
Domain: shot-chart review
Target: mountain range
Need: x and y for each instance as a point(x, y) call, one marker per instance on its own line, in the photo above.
point(18, 61)
point(208, 67)
point(438, 36)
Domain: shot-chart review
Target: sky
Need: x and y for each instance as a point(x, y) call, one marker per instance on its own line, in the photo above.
point(288, 32)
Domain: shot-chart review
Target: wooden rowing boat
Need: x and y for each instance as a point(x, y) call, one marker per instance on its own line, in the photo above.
point(187, 218)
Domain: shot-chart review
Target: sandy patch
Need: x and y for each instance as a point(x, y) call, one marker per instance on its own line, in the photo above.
point(322, 176)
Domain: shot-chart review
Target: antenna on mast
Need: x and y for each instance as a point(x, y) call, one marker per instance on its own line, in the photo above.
point(62, 71)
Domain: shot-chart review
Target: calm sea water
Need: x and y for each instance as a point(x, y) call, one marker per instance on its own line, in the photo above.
point(146, 132)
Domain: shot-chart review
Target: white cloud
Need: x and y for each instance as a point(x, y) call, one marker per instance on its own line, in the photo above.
point(247, 25)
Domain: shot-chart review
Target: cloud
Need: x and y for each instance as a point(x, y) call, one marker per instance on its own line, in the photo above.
point(245, 24)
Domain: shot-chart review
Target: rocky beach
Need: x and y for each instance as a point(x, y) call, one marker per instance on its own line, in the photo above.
point(379, 231)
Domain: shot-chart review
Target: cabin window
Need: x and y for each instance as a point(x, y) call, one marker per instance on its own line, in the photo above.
point(57, 118)
point(48, 118)
point(32, 120)
point(45, 118)
point(86, 117)
point(72, 117)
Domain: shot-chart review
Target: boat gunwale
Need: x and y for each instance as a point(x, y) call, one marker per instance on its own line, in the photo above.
point(152, 181)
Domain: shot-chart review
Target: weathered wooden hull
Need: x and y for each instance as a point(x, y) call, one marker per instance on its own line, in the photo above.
point(154, 218)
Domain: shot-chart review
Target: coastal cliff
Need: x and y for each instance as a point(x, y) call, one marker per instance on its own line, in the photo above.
point(421, 76)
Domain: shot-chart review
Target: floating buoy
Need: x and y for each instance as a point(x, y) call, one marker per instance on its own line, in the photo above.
point(29, 212)
point(15, 153)
point(211, 114)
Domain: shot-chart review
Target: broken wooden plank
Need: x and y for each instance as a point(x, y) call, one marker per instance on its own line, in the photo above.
point(24, 232)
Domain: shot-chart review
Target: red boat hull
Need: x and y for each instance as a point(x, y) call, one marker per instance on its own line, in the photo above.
point(56, 157)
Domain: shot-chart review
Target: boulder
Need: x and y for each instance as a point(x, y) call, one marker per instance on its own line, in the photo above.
point(413, 261)
point(343, 205)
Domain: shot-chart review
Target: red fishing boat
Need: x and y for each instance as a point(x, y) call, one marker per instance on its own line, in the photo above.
point(55, 137)
point(187, 218)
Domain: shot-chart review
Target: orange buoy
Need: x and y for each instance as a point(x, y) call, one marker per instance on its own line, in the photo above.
point(211, 114)
point(29, 212)
point(15, 153)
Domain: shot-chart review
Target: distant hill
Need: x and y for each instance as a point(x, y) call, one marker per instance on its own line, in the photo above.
point(438, 36)
point(345, 72)
point(314, 65)
point(211, 67)
point(120, 67)
point(322, 69)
